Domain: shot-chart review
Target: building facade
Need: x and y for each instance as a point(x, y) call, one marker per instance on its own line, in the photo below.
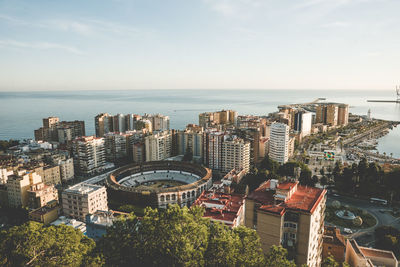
point(291, 215)
point(82, 199)
point(279, 142)
point(18, 186)
point(158, 146)
point(89, 155)
point(235, 155)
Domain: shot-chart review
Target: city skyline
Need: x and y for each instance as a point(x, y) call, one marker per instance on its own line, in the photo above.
point(199, 44)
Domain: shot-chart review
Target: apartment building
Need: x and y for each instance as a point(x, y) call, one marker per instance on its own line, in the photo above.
point(291, 215)
point(159, 122)
point(103, 124)
point(158, 146)
point(191, 139)
point(116, 146)
point(18, 186)
point(303, 122)
point(40, 194)
point(213, 149)
point(66, 169)
point(82, 199)
point(332, 114)
point(235, 155)
point(279, 142)
point(88, 154)
point(208, 119)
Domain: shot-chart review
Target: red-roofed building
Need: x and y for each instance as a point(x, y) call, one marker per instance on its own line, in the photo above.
point(222, 207)
point(291, 215)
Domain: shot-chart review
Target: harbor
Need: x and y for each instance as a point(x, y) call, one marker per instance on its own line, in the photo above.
point(397, 101)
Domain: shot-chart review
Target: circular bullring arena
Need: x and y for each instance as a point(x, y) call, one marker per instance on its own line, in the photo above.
point(158, 183)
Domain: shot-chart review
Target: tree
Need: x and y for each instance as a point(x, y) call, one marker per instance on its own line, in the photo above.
point(179, 237)
point(277, 257)
point(330, 262)
point(249, 248)
point(305, 177)
point(32, 244)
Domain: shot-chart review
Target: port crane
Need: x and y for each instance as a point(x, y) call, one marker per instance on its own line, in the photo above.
point(398, 93)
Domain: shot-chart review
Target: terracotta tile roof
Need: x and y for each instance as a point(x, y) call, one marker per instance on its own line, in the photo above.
point(303, 199)
point(286, 185)
point(221, 206)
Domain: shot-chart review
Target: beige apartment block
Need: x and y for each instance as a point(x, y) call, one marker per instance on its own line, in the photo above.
point(235, 155)
point(40, 194)
point(82, 199)
point(291, 215)
point(18, 186)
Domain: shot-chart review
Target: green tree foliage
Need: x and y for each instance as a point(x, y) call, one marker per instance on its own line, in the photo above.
point(387, 237)
point(330, 262)
point(367, 179)
point(305, 177)
point(32, 244)
point(4, 144)
point(179, 237)
point(277, 257)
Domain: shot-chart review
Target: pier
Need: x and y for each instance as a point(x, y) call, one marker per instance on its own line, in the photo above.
point(385, 101)
point(390, 101)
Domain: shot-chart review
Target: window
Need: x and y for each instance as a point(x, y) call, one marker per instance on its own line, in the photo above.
point(290, 225)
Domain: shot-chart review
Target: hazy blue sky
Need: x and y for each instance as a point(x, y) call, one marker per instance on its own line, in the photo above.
point(225, 44)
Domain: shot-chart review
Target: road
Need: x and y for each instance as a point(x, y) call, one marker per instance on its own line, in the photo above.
point(365, 237)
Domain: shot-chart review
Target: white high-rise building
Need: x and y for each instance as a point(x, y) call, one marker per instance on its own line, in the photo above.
point(158, 146)
point(303, 122)
point(89, 155)
point(279, 142)
point(235, 155)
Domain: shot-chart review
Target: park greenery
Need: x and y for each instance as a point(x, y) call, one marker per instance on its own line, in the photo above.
point(367, 220)
point(388, 238)
point(367, 179)
point(171, 237)
point(270, 169)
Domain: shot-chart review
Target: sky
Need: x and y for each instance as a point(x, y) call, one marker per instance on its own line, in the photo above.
point(199, 44)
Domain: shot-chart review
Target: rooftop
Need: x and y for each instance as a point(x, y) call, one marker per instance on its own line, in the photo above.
point(220, 206)
point(332, 236)
point(83, 188)
point(296, 197)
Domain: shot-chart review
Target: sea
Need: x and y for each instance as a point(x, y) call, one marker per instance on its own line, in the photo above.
point(22, 112)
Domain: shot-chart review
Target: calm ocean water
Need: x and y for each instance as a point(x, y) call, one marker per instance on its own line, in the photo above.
point(22, 112)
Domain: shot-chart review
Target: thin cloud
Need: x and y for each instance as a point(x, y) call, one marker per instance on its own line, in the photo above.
point(40, 46)
point(233, 8)
point(336, 24)
point(85, 27)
